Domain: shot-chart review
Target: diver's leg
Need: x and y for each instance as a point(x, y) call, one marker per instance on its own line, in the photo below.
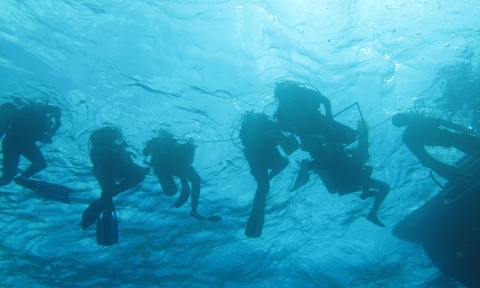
point(195, 179)
point(34, 155)
point(382, 193)
point(11, 158)
point(303, 175)
point(366, 193)
point(446, 171)
point(257, 215)
point(328, 180)
point(167, 182)
point(184, 193)
point(132, 177)
point(468, 144)
point(105, 180)
point(450, 172)
point(276, 163)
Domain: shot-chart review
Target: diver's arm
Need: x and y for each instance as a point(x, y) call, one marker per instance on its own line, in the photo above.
point(148, 148)
point(3, 129)
point(57, 115)
point(278, 136)
point(243, 131)
point(275, 131)
point(454, 126)
point(273, 125)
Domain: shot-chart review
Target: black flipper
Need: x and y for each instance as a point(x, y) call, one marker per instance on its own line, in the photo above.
point(302, 177)
point(468, 144)
point(48, 190)
point(107, 225)
point(197, 216)
point(374, 219)
point(453, 174)
point(214, 218)
point(257, 216)
point(90, 215)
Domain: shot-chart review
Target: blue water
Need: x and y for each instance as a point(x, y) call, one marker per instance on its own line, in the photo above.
point(195, 68)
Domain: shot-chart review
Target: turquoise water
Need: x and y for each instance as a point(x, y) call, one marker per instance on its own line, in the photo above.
point(195, 68)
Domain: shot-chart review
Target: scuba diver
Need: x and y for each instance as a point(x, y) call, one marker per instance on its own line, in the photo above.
point(341, 171)
point(22, 128)
point(423, 131)
point(111, 163)
point(344, 171)
point(298, 113)
point(260, 137)
point(170, 158)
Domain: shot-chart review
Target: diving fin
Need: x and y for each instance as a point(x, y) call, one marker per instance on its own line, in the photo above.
point(197, 216)
point(48, 190)
point(374, 219)
point(257, 216)
point(90, 215)
point(453, 174)
point(107, 225)
point(302, 177)
point(468, 144)
point(214, 218)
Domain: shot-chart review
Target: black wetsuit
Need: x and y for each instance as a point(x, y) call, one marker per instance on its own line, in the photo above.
point(427, 131)
point(169, 159)
point(340, 172)
point(257, 135)
point(22, 130)
point(112, 162)
point(260, 137)
point(298, 113)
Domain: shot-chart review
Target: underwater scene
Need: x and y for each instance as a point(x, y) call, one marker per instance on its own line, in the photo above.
point(290, 143)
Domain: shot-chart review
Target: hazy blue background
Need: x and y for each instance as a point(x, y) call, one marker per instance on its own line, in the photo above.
point(195, 68)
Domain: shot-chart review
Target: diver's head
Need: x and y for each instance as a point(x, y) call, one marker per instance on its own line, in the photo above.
point(7, 112)
point(251, 116)
point(282, 90)
point(249, 113)
point(7, 109)
point(400, 120)
point(106, 136)
point(164, 133)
